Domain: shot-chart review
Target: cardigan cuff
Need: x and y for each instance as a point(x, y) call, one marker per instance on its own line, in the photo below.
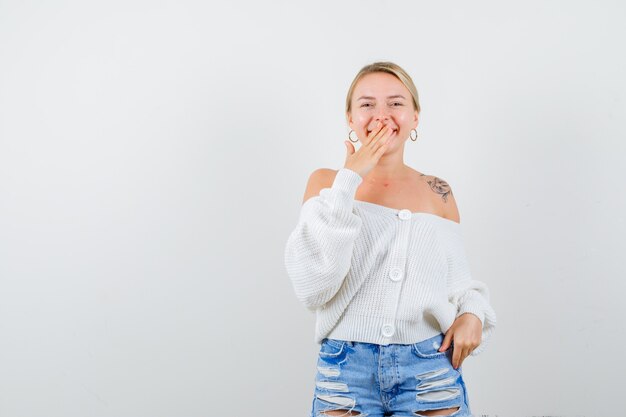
point(347, 180)
point(473, 303)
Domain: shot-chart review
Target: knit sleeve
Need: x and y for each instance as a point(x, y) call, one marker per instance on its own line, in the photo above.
point(467, 294)
point(318, 252)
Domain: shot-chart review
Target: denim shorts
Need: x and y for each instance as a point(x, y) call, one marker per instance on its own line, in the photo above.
point(366, 379)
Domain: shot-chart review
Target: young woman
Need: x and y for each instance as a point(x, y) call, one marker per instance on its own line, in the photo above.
point(378, 255)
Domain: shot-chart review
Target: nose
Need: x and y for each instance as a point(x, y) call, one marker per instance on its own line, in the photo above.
point(382, 116)
point(383, 119)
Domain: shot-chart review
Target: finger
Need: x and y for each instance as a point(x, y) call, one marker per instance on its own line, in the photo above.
point(386, 134)
point(380, 150)
point(446, 341)
point(378, 135)
point(458, 365)
point(380, 131)
point(462, 357)
point(456, 356)
point(459, 361)
point(379, 126)
point(382, 141)
point(466, 354)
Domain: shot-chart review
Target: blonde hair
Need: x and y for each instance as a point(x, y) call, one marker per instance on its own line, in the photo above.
point(389, 68)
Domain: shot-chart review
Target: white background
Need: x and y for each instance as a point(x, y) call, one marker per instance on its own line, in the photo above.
point(153, 158)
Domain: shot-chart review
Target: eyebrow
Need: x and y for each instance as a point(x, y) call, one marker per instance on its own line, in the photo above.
point(374, 98)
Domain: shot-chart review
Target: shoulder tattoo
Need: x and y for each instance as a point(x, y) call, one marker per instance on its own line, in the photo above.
point(440, 187)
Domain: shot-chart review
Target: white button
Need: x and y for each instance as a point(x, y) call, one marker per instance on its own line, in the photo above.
point(436, 345)
point(395, 274)
point(388, 330)
point(404, 214)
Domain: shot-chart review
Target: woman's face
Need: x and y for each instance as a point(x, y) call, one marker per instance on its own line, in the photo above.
point(381, 96)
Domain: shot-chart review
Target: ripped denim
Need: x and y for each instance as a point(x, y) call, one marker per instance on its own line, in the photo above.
point(365, 379)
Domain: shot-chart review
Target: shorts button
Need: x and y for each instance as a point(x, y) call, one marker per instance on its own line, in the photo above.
point(388, 330)
point(395, 274)
point(404, 214)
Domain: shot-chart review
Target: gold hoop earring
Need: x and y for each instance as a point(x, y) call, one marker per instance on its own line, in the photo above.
point(413, 130)
point(350, 137)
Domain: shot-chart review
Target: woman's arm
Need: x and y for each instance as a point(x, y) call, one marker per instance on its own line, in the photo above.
point(467, 294)
point(318, 252)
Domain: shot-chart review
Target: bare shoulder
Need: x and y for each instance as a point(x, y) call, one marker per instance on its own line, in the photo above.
point(445, 198)
point(320, 178)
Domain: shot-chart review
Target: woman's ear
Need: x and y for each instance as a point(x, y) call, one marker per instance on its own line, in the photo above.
point(349, 119)
point(416, 118)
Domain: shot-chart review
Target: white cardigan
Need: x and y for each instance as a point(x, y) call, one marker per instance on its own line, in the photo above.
point(381, 275)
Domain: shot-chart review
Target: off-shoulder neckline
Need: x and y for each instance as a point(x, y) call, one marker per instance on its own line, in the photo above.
point(395, 211)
